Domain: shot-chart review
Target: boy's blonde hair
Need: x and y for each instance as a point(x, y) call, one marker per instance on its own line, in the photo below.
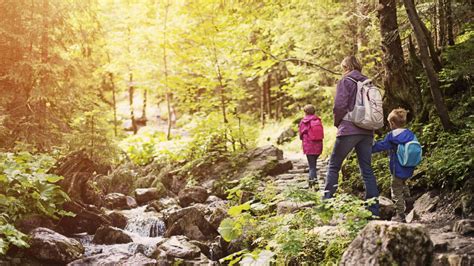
point(398, 117)
point(350, 63)
point(309, 109)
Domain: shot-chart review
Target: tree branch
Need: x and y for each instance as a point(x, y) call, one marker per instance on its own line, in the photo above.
point(294, 60)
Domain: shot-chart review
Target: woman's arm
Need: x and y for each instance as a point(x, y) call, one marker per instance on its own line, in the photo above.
point(341, 101)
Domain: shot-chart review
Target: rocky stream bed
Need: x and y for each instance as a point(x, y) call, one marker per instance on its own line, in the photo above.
point(175, 222)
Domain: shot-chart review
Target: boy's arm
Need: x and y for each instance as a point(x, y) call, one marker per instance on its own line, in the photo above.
point(382, 145)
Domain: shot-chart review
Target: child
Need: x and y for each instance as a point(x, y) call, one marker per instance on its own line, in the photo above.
point(398, 136)
point(312, 134)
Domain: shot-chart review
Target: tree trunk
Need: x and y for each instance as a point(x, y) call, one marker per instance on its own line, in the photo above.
point(165, 62)
point(362, 8)
point(428, 64)
point(399, 85)
point(114, 101)
point(268, 86)
point(131, 91)
point(262, 105)
point(145, 99)
point(430, 45)
point(449, 21)
point(441, 24)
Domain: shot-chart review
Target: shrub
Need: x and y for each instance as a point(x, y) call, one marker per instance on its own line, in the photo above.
point(26, 188)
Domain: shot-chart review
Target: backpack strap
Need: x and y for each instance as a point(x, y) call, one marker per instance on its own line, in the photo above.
point(349, 78)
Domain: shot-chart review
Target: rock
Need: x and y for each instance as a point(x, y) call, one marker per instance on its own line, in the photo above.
point(424, 204)
point(144, 195)
point(280, 167)
point(265, 151)
point(194, 194)
point(453, 259)
point(464, 227)
point(78, 169)
point(118, 220)
point(190, 222)
point(284, 207)
point(145, 182)
point(47, 245)
point(155, 206)
point(116, 201)
point(87, 219)
point(110, 235)
point(32, 221)
point(287, 135)
point(131, 202)
point(115, 258)
point(179, 247)
point(217, 216)
point(387, 208)
point(120, 180)
point(390, 243)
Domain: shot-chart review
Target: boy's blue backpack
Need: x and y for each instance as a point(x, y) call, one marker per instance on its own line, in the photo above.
point(409, 154)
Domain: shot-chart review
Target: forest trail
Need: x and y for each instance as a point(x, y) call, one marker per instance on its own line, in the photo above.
point(298, 176)
point(451, 241)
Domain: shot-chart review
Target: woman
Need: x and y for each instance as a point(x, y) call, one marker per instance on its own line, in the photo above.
point(349, 136)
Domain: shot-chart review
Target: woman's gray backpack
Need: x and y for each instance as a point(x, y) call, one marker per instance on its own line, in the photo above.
point(367, 112)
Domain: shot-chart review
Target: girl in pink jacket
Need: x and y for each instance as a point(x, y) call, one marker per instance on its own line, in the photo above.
point(311, 134)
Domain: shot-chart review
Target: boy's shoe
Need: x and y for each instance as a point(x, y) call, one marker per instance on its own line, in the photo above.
point(399, 218)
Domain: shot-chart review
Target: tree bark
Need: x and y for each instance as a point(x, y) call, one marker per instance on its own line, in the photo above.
point(114, 101)
point(449, 21)
point(428, 64)
point(399, 86)
point(145, 99)
point(430, 45)
point(441, 23)
point(165, 62)
point(131, 91)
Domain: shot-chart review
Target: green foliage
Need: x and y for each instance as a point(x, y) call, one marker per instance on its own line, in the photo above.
point(291, 237)
point(26, 188)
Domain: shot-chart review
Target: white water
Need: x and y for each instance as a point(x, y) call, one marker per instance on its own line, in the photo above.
point(145, 228)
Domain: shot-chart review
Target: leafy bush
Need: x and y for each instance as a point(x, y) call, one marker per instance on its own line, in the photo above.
point(290, 238)
point(26, 188)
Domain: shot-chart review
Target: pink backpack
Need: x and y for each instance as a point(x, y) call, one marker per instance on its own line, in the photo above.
point(316, 130)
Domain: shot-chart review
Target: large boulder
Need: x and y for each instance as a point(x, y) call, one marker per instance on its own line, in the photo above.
point(387, 208)
point(118, 219)
point(267, 160)
point(87, 218)
point(115, 258)
point(79, 172)
point(190, 222)
point(110, 235)
point(423, 205)
point(287, 135)
point(464, 227)
point(390, 243)
point(180, 247)
point(145, 195)
point(194, 194)
point(119, 201)
point(32, 221)
point(47, 245)
point(218, 214)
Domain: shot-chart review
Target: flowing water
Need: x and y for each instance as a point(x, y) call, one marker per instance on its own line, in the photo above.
point(145, 228)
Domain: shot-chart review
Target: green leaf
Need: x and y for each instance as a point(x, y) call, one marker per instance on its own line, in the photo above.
point(53, 178)
point(229, 229)
point(236, 210)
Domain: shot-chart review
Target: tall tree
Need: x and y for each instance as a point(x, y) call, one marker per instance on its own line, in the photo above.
point(165, 70)
point(449, 21)
point(431, 73)
point(399, 85)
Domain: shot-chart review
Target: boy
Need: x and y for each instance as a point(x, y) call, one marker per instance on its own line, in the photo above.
point(311, 134)
point(398, 136)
